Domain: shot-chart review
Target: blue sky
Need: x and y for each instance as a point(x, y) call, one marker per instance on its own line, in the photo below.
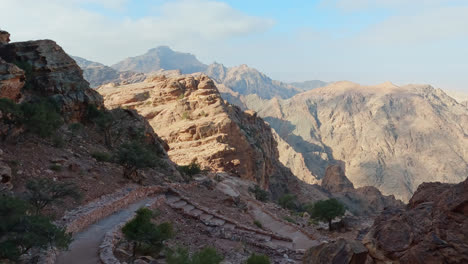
point(366, 41)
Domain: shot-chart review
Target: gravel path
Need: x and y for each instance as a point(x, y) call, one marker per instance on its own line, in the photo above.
point(85, 246)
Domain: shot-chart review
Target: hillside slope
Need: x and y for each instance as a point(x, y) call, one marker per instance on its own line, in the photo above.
point(390, 137)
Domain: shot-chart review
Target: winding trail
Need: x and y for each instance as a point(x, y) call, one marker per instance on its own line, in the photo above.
point(300, 240)
point(85, 246)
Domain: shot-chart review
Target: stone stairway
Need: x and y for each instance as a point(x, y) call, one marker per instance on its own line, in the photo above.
point(231, 229)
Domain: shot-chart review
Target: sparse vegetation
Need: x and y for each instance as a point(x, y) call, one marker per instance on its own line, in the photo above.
point(258, 224)
point(55, 167)
point(58, 141)
point(43, 192)
point(288, 201)
point(192, 169)
point(327, 210)
point(259, 193)
point(258, 259)
point(146, 235)
point(133, 156)
point(289, 219)
point(207, 255)
point(186, 116)
point(20, 231)
point(41, 118)
point(75, 129)
point(101, 156)
point(181, 96)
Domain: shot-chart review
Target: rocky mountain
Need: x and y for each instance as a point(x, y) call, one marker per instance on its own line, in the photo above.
point(161, 58)
point(98, 74)
point(245, 80)
point(390, 137)
point(309, 85)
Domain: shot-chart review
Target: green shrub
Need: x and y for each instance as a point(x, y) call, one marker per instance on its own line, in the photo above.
point(11, 112)
point(258, 259)
point(75, 129)
point(207, 255)
point(42, 192)
point(192, 169)
point(289, 219)
point(20, 231)
point(55, 167)
point(144, 234)
point(258, 224)
point(288, 201)
point(327, 210)
point(135, 155)
point(101, 156)
point(41, 118)
point(186, 115)
point(259, 193)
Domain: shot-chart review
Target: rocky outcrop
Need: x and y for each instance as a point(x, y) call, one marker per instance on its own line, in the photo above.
point(161, 58)
point(5, 177)
point(336, 181)
point(366, 200)
point(390, 137)
point(190, 115)
point(432, 229)
point(341, 251)
point(11, 81)
point(50, 72)
point(4, 37)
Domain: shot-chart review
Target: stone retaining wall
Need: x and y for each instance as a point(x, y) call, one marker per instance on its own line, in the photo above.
point(79, 219)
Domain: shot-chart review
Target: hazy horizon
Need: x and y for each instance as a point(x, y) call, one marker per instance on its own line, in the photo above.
point(363, 41)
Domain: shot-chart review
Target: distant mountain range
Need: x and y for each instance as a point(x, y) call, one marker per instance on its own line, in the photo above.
point(390, 137)
point(241, 79)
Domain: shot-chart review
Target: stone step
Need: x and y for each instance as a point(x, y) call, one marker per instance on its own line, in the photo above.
point(216, 222)
point(229, 226)
point(263, 237)
point(195, 212)
point(188, 207)
point(205, 217)
point(179, 204)
point(172, 199)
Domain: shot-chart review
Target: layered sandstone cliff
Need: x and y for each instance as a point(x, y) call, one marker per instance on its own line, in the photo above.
point(189, 113)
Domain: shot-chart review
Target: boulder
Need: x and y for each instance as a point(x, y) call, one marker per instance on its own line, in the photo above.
point(341, 251)
point(50, 72)
point(432, 229)
point(11, 81)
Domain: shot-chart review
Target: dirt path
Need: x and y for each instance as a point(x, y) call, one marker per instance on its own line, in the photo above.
point(300, 240)
point(85, 246)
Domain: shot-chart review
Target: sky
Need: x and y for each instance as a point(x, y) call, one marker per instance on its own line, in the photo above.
point(364, 41)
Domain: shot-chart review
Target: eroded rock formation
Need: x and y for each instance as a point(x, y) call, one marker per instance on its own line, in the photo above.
point(11, 81)
point(432, 229)
point(189, 113)
point(341, 251)
point(50, 72)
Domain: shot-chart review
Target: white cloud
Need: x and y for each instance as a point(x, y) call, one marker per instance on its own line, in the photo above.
point(181, 24)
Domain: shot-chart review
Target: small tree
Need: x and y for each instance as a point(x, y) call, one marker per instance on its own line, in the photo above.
point(20, 232)
point(259, 193)
point(134, 156)
point(43, 192)
point(258, 259)
point(142, 232)
point(288, 201)
point(105, 122)
point(327, 210)
point(192, 169)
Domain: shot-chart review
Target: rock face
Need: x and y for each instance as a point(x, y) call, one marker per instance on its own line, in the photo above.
point(393, 138)
point(50, 72)
point(335, 180)
point(432, 229)
point(4, 37)
point(309, 85)
point(11, 81)
point(190, 115)
point(341, 251)
point(161, 58)
point(366, 200)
